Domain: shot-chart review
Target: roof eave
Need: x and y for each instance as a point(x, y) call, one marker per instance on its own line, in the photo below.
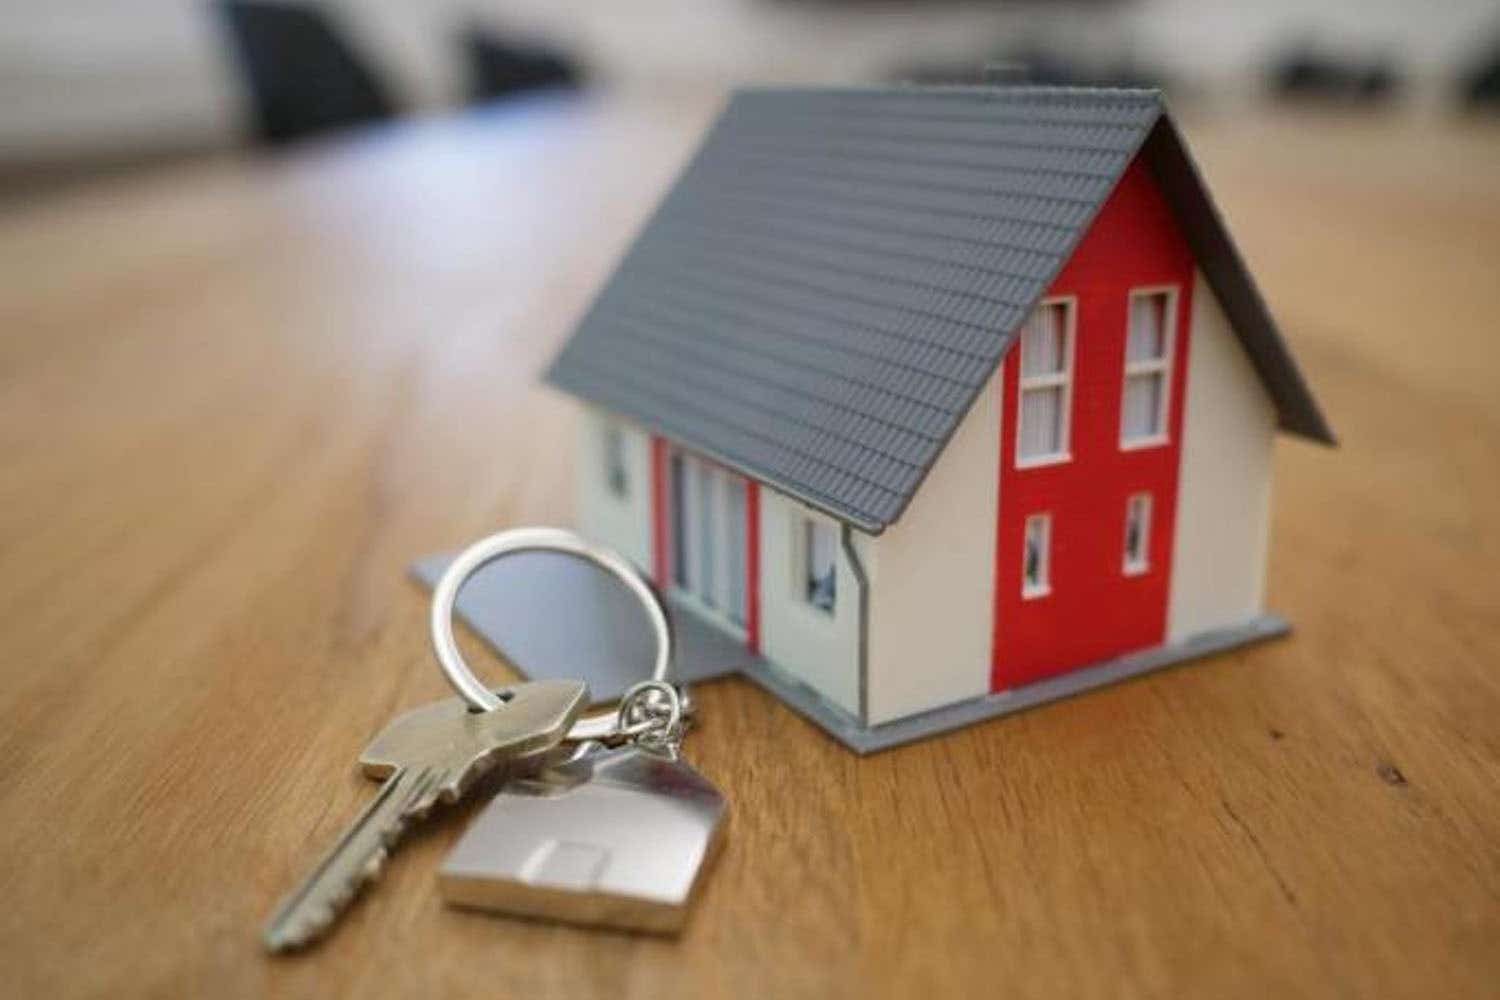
point(1219, 259)
point(821, 504)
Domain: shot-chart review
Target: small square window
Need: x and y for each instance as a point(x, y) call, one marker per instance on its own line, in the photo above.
point(616, 472)
point(819, 557)
point(1137, 534)
point(1036, 557)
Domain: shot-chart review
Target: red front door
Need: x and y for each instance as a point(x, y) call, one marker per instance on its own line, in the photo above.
point(1091, 429)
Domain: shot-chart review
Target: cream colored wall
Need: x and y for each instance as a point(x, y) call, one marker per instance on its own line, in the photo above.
point(1224, 496)
point(817, 648)
point(932, 578)
point(624, 524)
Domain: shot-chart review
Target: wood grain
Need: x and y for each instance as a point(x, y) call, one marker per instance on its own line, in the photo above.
point(237, 399)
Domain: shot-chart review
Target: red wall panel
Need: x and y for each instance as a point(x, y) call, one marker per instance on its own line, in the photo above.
point(1094, 610)
point(660, 533)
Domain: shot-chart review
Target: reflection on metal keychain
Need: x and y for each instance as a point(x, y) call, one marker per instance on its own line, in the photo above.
point(615, 832)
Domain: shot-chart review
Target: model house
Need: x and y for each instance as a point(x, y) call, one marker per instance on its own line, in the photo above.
point(939, 402)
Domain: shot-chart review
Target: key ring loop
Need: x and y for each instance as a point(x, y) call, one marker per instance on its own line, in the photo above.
point(505, 543)
point(650, 706)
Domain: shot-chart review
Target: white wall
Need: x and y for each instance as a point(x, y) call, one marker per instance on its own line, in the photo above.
point(817, 648)
point(1224, 496)
point(932, 601)
point(624, 524)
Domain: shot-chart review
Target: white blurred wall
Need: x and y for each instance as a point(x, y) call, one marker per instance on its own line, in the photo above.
point(84, 77)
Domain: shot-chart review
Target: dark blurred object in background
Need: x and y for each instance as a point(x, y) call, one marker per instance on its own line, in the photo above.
point(1479, 82)
point(498, 67)
point(302, 76)
point(1306, 73)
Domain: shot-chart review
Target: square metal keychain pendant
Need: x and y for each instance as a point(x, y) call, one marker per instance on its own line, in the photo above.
point(615, 838)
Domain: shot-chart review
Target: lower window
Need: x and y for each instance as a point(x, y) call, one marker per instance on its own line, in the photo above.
point(819, 581)
point(1036, 556)
point(1137, 534)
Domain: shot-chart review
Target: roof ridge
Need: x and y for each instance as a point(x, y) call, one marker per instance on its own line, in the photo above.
point(1144, 94)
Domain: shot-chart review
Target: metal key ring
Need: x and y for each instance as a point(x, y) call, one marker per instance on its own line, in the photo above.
point(505, 543)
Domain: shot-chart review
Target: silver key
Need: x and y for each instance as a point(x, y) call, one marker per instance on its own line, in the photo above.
point(430, 753)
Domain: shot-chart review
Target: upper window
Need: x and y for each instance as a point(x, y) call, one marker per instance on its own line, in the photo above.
point(1137, 534)
point(1036, 556)
point(1045, 384)
point(819, 552)
point(1148, 368)
point(616, 474)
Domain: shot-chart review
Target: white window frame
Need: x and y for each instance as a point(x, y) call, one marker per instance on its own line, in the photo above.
point(1031, 591)
point(803, 527)
point(1137, 565)
point(697, 473)
point(615, 446)
point(1063, 378)
point(1162, 365)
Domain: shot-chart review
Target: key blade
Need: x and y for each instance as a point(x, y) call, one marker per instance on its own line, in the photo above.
point(354, 859)
point(430, 753)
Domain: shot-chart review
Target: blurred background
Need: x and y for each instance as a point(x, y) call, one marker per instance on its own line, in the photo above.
point(94, 86)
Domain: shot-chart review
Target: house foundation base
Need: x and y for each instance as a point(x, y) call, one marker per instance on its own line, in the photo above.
point(868, 739)
point(562, 619)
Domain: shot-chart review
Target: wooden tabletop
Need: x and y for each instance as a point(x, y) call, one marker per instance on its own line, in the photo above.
point(236, 399)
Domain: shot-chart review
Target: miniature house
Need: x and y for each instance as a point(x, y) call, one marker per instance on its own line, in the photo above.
point(939, 402)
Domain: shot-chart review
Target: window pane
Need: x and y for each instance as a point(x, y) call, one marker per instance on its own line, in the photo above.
point(614, 461)
point(1147, 340)
point(734, 555)
point(1141, 416)
point(1042, 341)
point(1133, 535)
point(1137, 532)
point(679, 521)
point(1041, 421)
point(707, 526)
point(1035, 555)
point(819, 542)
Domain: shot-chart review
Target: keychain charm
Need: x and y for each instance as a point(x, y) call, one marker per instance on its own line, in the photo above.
point(613, 837)
point(614, 831)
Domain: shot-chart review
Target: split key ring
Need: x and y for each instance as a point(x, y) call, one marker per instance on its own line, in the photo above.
point(627, 720)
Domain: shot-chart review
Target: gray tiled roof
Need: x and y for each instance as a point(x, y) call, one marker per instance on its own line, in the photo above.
point(837, 273)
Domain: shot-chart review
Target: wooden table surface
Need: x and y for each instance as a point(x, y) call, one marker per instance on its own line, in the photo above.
point(237, 398)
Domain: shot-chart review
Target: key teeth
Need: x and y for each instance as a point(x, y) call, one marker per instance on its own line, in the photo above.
point(302, 919)
point(314, 922)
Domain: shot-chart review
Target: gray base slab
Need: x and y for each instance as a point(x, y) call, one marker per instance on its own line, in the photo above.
point(867, 739)
point(555, 617)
